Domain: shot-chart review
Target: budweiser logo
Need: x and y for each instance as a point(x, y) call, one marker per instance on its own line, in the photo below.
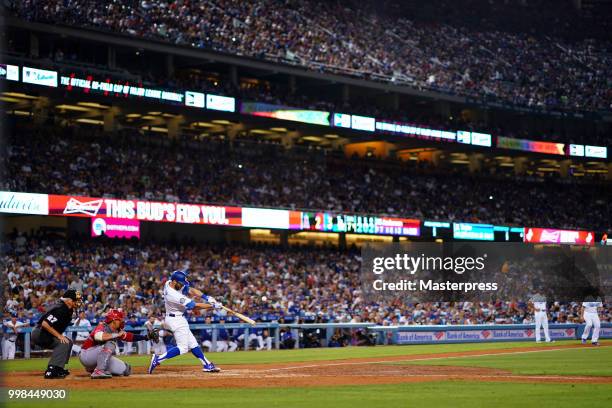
point(91, 208)
point(550, 236)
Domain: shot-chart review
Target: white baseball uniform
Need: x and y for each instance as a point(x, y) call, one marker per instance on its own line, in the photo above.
point(541, 320)
point(10, 337)
point(225, 345)
point(253, 336)
point(81, 336)
point(158, 347)
point(591, 318)
point(176, 305)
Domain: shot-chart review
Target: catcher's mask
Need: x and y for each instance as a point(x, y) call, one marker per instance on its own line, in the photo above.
point(76, 296)
point(115, 314)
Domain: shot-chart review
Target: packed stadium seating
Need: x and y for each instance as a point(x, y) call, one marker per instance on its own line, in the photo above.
point(551, 70)
point(57, 160)
point(301, 284)
point(493, 53)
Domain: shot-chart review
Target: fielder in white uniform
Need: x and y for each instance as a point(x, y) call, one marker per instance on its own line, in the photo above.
point(541, 319)
point(158, 346)
point(11, 328)
point(83, 323)
point(177, 302)
point(591, 318)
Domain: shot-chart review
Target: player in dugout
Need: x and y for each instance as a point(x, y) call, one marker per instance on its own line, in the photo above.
point(48, 333)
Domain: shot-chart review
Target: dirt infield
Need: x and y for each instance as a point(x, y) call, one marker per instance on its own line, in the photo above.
point(320, 373)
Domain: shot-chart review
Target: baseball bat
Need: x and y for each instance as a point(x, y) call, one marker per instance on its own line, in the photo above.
point(239, 315)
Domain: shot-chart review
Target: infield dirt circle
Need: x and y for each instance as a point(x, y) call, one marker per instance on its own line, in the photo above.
point(359, 371)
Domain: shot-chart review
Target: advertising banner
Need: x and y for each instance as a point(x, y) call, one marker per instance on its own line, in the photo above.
point(477, 232)
point(363, 123)
point(265, 218)
point(115, 228)
point(195, 99)
point(416, 131)
point(467, 334)
point(477, 139)
point(555, 236)
point(10, 72)
point(144, 210)
point(605, 332)
point(24, 203)
point(576, 150)
point(407, 337)
point(267, 110)
point(118, 88)
point(530, 145)
point(39, 77)
point(599, 152)
point(220, 103)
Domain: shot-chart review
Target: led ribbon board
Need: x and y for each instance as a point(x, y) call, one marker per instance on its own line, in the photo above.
point(354, 224)
point(266, 110)
point(477, 232)
point(530, 145)
point(416, 131)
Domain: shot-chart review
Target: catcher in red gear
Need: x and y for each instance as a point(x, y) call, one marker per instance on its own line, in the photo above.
point(98, 349)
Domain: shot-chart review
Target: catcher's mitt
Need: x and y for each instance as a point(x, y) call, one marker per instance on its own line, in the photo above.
point(153, 335)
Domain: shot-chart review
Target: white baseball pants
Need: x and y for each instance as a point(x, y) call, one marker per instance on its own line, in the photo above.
point(541, 321)
point(592, 320)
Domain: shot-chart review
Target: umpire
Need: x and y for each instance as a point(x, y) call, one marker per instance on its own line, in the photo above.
point(49, 329)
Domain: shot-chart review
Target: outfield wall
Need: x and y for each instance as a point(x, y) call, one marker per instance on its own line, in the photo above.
point(480, 333)
point(440, 334)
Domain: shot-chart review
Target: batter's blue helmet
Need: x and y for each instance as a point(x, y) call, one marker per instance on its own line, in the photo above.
point(180, 277)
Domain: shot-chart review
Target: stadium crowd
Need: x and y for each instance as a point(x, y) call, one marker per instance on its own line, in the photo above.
point(269, 283)
point(474, 60)
point(58, 160)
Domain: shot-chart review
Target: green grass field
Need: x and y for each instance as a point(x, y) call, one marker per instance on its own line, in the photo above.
point(589, 361)
point(586, 361)
point(285, 356)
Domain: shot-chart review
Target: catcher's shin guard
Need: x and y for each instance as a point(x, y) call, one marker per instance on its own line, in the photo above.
point(103, 360)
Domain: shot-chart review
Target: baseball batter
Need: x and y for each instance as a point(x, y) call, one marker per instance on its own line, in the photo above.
point(541, 319)
point(591, 318)
point(177, 302)
point(98, 349)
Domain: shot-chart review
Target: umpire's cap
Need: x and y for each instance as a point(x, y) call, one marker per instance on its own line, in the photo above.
point(71, 294)
point(180, 277)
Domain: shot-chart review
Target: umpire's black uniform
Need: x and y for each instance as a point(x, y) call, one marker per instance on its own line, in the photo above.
point(57, 319)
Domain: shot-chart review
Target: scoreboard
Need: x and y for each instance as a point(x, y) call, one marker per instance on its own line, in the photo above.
point(355, 224)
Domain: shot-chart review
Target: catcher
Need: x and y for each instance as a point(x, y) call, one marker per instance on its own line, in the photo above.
point(98, 349)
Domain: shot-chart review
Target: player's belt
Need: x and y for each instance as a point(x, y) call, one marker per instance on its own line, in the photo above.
point(174, 315)
point(540, 310)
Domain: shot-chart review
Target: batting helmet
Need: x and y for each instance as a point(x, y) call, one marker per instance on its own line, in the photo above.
point(115, 314)
point(180, 277)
